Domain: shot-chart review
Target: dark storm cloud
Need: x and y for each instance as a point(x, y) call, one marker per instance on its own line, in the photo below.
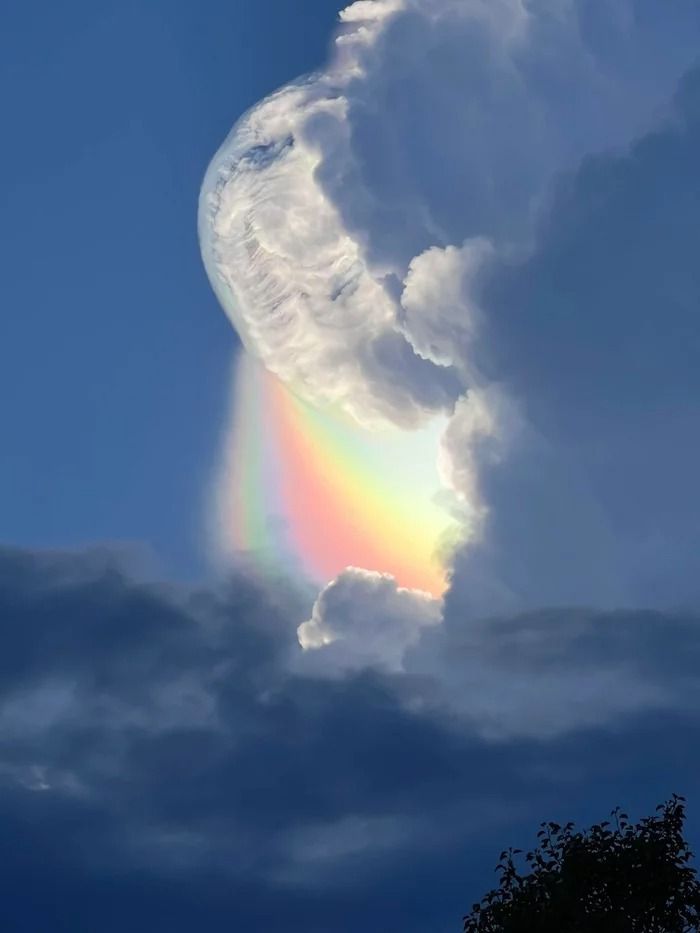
point(156, 753)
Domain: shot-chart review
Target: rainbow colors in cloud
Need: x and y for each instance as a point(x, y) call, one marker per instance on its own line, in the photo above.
point(310, 490)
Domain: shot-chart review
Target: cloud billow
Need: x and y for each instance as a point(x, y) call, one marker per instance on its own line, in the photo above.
point(387, 236)
point(596, 333)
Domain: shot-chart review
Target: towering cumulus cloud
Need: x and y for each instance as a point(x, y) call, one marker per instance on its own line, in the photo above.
point(373, 232)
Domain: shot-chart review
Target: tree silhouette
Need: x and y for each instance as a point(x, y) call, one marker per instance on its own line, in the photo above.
point(620, 878)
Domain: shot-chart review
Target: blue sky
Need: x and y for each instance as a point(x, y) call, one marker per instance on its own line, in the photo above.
point(508, 211)
point(114, 355)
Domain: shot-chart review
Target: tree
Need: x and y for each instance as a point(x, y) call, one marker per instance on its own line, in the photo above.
point(620, 878)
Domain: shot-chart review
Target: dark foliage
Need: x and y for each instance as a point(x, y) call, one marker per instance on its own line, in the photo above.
point(620, 878)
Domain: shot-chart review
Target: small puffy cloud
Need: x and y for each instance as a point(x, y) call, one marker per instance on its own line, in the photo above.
point(362, 618)
point(438, 320)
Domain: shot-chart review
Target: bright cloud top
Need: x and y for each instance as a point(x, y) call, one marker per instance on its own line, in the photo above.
point(347, 225)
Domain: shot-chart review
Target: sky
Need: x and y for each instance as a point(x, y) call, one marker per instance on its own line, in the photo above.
point(114, 369)
point(348, 480)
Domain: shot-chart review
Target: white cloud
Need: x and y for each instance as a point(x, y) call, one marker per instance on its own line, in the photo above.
point(435, 122)
point(356, 209)
point(473, 440)
point(438, 319)
point(321, 196)
point(362, 618)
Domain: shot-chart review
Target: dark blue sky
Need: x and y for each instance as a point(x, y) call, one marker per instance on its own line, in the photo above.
point(114, 355)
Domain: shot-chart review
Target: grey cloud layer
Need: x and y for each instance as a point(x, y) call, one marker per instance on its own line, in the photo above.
point(157, 751)
point(589, 440)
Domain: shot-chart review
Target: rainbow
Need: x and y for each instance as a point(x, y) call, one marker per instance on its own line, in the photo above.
point(311, 491)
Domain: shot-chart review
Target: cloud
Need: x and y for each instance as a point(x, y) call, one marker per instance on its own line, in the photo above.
point(555, 671)
point(395, 234)
point(435, 313)
point(362, 618)
point(434, 124)
point(387, 236)
point(423, 227)
point(538, 675)
point(164, 754)
point(595, 335)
